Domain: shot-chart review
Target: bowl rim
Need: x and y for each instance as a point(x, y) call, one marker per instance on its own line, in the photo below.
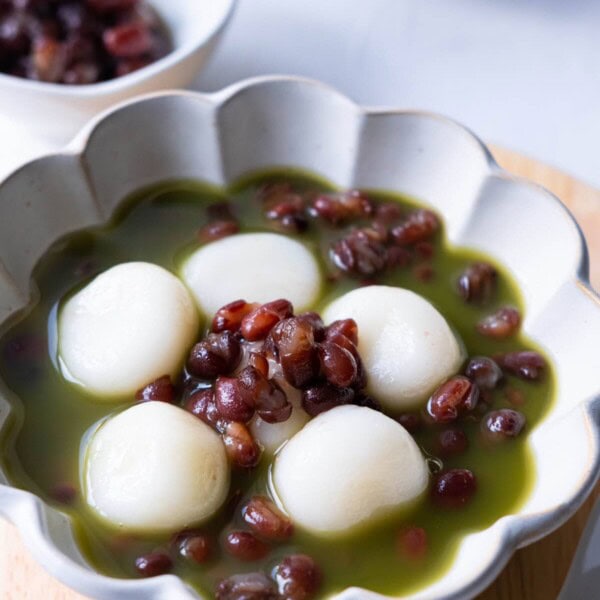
point(515, 530)
point(136, 78)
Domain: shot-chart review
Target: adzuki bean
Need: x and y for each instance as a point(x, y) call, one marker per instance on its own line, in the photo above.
point(266, 520)
point(161, 390)
point(337, 364)
point(477, 283)
point(454, 488)
point(247, 586)
point(298, 577)
point(202, 405)
point(502, 424)
point(502, 324)
point(241, 448)
point(232, 403)
point(194, 545)
point(525, 364)
point(484, 372)
point(316, 400)
point(229, 317)
point(454, 397)
point(217, 354)
point(153, 564)
point(419, 226)
point(411, 543)
point(245, 546)
point(451, 442)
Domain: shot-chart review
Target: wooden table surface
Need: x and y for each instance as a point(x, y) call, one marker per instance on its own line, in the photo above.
point(534, 573)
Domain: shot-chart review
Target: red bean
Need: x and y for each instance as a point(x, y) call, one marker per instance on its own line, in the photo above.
point(14, 34)
point(127, 40)
point(410, 421)
point(477, 283)
point(315, 321)
point(266, 520)
point(452, 398)
point(153, 564)
point(484, 372)
point(202, 405)
point(419, 226)
point(502, 424)
point(245, 546)
point(324, 397)
point(217, 230)
point(359, 253)
point(397, 257)
point(525, 364)
point(161, 390)
point(388, 212)
point(241, 448)
point(337, 208)
point(337, 364)
point(232, 403)
point(266, 396)
point(259, 362)
point(247, 586)
point(411, 543)
point(502, 324)
point(81, 73)
point(298, 577)
point(47, 60)
point(194, 545)
point(229, 317)
point(258, 323)
point(65, 493)
point(451, 442)
point(297, 351)
point(454, 488)
point(217, 354)
point(345, 327)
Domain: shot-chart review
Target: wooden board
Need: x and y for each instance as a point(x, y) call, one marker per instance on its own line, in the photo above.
point(535, 572)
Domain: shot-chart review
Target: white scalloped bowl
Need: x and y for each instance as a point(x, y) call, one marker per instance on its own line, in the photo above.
point(268, 122)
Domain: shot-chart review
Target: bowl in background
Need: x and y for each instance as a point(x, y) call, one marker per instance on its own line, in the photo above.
point(270, 122)
point(57, 112)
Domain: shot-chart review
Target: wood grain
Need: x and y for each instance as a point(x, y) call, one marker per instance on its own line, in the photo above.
point(534, 573)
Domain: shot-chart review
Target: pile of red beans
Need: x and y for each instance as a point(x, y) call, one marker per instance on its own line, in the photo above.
point(79, 41)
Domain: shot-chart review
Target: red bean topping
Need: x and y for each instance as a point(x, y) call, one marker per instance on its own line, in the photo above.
point(245, 546)
point(525, 364)
point(202, 405)
point(454, 488)
point(324, 397)
point(388, 212)
point(298, 577)
point(451, 442)
point(296, 350)
point(502, 324)
point(315, 321)
point(247, 586)
point(232, 403)
point(424, 250)
point(217, 354)
point(266, 396)
point(240, 445)
point(14, 34)
point(161, 390)
point(218, 230)
point(337, 208)
point(47, 60)
point(419, 226)
point(410, 421)
point(65, 493)
point(153, 564)
point(259, 362)
point(423, 273)
point(502, 424)
point(345, 327)
point(266, 520)
point(337, 364)
point(229, 317)
point(193, 545)
point(484, 372)
point(477, 283)
point(128, 40)
point(257, 324)
point(220, 211)
point(411, 543)
point(397, 257)
point(359, 253)
point(452, 398)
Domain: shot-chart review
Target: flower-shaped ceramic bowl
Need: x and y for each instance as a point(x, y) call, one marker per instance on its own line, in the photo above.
point(57, 111)
point(285, 121)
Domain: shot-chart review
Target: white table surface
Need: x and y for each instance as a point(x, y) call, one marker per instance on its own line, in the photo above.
point(521, 73)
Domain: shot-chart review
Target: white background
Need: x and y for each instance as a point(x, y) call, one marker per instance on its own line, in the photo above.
point(521, 73)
